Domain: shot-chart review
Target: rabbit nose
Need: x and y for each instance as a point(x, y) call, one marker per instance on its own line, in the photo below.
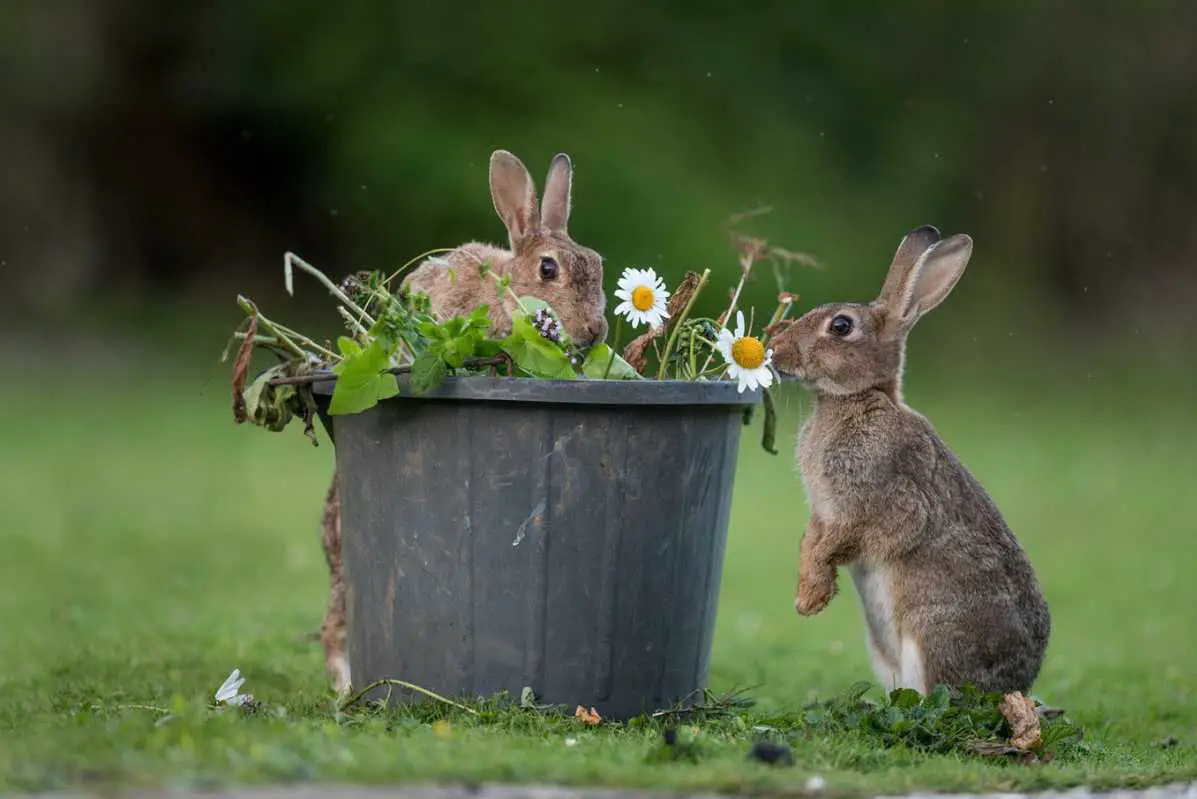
point(597, 330)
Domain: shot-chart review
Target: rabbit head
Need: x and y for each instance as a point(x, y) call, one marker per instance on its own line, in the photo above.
point(545, 262)
point(847, 348)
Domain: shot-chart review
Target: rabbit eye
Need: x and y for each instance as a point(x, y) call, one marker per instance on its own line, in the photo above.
point(548, 268)
point(840, 325)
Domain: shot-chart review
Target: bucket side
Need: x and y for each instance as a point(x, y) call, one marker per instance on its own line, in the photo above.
point(577, 550)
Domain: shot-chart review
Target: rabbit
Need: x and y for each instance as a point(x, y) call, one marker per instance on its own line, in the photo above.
point(542, 261)
point(948, 595)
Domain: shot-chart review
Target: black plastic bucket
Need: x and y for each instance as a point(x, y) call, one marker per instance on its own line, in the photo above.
point(566, 536)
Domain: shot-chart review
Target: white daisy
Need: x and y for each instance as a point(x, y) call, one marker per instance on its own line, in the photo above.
point(747, 359)
point(644, 297)
point(229, 691)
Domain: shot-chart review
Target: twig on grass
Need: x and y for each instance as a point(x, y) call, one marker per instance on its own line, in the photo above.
point(150, 708)
point(712, 704)
point(409, 686)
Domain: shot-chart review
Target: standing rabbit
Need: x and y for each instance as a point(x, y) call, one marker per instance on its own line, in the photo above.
point(543, 262)
point(948, 594)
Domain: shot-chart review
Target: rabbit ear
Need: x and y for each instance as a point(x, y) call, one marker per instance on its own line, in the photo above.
point(930, 280)
point(914, 244)
point(557, 193)
point(514, 195)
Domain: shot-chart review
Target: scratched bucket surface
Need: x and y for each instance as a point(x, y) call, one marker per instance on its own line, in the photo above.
point(564, 535)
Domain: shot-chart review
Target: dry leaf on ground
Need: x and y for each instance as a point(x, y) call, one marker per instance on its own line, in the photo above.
point(585, 716)
point(1024, 721)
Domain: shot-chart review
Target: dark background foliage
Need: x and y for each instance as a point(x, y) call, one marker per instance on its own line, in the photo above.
point(175, 152)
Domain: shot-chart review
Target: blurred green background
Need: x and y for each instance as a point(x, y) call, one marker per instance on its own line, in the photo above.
point(178, 154)
point(158, 161)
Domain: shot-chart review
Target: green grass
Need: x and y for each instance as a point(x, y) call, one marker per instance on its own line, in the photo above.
point(150, 546)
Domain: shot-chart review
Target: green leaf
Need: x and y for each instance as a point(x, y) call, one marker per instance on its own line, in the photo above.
point(905, 698)
point(360, 382)
point(480, 317)
point(595, 365)
point(348, 347)
point(457, 350)
point(534, 304)
point(433, 331)
point(488, 348)
point(427, 372)
point(535, 354)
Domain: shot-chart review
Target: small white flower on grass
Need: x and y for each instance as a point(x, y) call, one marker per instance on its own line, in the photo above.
point(815, 784)
point(747, 359)
point(229, 693)
point(571, 741)
point(644, 297)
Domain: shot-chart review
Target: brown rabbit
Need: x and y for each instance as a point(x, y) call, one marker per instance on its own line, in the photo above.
point(542, 262)
point(948, 594)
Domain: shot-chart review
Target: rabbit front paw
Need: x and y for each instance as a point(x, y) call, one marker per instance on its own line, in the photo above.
point(813, 596)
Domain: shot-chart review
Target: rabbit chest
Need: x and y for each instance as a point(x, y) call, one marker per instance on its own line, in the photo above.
point(820, 494)
point(896, 659)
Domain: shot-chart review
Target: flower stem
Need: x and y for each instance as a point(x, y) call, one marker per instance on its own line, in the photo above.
point(677, 324)
point(415, 260)
point(354, 324)
point(291, 259)
point(270, 327)
point(727, 315)
point(779, 315)
point(615, 344)
point(302, 339)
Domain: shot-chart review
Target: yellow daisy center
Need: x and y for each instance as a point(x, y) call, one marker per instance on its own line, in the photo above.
point(642, 298)
point(748, 352)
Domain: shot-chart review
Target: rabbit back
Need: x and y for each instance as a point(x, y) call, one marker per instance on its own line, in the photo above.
point(455, 284)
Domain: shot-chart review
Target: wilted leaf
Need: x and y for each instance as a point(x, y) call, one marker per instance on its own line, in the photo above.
point(271, 407)
point(769, 429)
point(682, 294)
point(241, 370)
point(636, 352)
point(1019, 711)
point(590, 717)
point(308, 411)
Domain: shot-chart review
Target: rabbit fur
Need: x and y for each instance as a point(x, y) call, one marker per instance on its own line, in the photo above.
point(948, 595)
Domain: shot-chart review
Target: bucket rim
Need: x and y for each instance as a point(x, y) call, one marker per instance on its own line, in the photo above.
point(483, 388)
